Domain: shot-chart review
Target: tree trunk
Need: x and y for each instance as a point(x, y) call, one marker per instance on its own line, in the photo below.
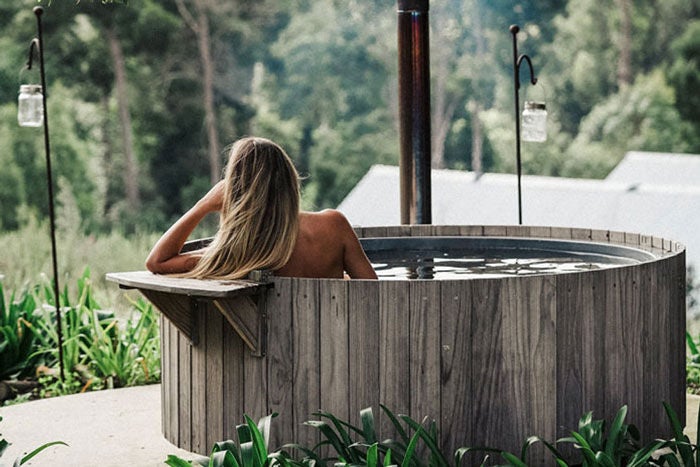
point(475, 107)
point(477, 137)
point(130, 174)
point(443, 110)
point(203, 41)
point(624, 62)
point(200, 27)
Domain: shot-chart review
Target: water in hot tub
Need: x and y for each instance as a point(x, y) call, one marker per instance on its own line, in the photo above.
point(463, 264)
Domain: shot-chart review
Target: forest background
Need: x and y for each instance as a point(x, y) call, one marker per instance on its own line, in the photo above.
point(144, 97)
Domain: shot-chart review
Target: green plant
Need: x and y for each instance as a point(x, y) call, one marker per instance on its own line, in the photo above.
point(251, 450)
point(125, 356)
point(4, 444)
point(16, 337)
point(692, 364)
point(99, 350)
point(617, 447)
point(683, 452)
point(353, 445)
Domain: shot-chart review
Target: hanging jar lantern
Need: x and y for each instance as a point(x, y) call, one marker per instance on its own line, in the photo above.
point(30, 109)
point(534, 122)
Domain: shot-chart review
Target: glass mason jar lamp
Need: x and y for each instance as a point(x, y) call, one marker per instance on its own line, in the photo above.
point(30, 109)
point(534, 122)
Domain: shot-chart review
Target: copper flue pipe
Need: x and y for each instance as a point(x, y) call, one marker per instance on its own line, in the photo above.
point(414, 111)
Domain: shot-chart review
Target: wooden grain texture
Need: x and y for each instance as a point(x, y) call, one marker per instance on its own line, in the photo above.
point(199, 377)
point(306, 381)
point(580, 350)
point(363, 351)
point(280, 361)
point(623, 343)
point(493, 408)
point(424, 341)
point(334, 348)
point(166, 370)
point(394, 351)
point(677, 315)
point(529, 343)
point(144, 280)
point(254, 386)
point(456, 365)
point(184, 391)
point(214, 381)
point(654, 287)
point(175, 378)
point(233, 375)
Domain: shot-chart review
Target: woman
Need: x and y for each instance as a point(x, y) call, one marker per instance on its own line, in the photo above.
point(261, 226)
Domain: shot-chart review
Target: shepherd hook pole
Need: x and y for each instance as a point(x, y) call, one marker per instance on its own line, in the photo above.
point(517, 61)
point(38, 44)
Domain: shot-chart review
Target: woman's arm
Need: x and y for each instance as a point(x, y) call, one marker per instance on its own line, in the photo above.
point(165, 257)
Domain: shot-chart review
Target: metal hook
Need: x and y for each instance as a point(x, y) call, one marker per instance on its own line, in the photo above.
point(33, 46)
point(525, 57)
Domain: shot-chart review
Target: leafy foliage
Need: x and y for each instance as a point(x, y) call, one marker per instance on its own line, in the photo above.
point(99, 350)
point(16, 335)
point(321, 79)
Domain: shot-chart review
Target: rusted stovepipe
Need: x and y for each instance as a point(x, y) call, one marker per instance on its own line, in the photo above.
point(414, 111)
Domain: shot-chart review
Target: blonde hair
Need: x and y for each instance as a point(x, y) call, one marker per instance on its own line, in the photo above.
point(260, 213)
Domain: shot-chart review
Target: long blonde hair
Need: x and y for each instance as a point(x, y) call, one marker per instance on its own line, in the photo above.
point(260, 213)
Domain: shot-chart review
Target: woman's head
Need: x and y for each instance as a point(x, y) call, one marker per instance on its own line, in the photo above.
point(260, 212)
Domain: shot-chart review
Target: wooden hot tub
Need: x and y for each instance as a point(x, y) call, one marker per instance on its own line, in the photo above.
point(493, 360)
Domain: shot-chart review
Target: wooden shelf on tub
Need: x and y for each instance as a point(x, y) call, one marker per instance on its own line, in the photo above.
point(241, 302)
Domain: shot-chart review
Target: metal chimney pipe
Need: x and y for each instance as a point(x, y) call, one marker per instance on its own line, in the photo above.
point(414, 111)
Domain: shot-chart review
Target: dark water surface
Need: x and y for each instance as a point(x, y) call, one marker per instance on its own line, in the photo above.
point(472, 257)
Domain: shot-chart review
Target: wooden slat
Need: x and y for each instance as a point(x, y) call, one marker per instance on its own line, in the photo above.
point(424, 352)
point(529, 334)
point(306, 384)
point(215, 379)
point(456, 365)
point(363, 323)
point(280, 364)
point(678, 328)
point(561, 232)
point(624, 344)
point(199, 377)
point(165, 372)
point(495, 230)
point(492, 406)
point(255, 386)
point(185, 391)
point(233, 375)
point(335, 348)
point(655, 293)
point(174, 384)
point(394, 351)
point(471, 230)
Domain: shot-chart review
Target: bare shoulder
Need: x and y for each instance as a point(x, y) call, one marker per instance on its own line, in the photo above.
point(328, 218)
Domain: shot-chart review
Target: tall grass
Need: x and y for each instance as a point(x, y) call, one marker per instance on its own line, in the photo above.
point(26, 257)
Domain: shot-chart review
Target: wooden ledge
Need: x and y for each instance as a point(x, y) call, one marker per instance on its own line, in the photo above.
point(207, 288)
point(241, 302)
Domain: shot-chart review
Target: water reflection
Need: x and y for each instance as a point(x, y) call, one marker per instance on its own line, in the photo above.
point(465, 264)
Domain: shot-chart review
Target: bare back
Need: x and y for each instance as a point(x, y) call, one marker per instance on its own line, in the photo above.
point(327, 247)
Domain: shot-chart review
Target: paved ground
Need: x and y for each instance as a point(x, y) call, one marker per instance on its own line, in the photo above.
point(103, 428)
point(111, 428)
